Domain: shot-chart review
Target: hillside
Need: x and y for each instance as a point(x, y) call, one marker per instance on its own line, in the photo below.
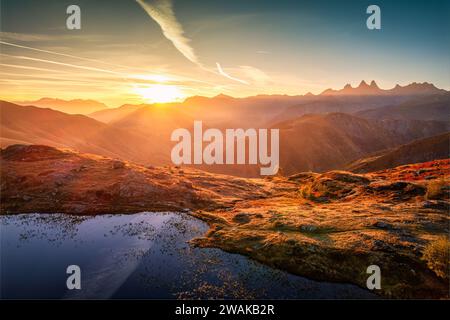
point(428, 149)
point(41, 178)
point(114, 114)
point(328, 226)
point(33, 125)
point(331, 226)
point(433, 107)
point(330, 141)
point(317, 142)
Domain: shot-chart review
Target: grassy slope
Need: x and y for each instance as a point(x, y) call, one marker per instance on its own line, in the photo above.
point(328, 226)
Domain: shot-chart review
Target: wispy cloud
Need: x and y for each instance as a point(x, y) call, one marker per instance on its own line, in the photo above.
point(162, 12)
point(258, 76)
point(226, 75)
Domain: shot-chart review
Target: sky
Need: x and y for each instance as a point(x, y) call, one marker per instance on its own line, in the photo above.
point(130, 51)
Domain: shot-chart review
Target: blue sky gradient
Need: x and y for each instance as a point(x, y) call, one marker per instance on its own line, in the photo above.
point(288, 46)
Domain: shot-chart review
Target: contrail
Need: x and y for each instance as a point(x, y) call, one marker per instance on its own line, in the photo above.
point(69, 78)
point(162, 13)
point(29, 68)
point(93, 60)
point(64, 64)
point(62, 54)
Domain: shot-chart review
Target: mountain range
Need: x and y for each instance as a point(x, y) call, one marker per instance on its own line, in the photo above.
point(363, 88)
point(76, 106)
point(366, 94)
point(318, 133)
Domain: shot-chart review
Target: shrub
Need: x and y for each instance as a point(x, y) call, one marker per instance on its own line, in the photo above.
point(437, 254)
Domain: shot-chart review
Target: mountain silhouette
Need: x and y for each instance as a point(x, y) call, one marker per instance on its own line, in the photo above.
point(76, 106)
point(372, 89)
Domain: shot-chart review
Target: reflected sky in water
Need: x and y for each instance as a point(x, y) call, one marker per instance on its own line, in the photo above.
point(145, 255)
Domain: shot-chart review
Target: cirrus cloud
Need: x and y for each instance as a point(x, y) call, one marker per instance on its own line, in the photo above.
point(161, 11)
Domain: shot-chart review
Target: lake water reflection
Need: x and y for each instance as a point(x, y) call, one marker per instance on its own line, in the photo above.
point(144, 255)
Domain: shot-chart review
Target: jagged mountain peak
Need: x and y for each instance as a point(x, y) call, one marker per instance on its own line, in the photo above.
point(223, 96)
point(363, 84)
point(363, 88)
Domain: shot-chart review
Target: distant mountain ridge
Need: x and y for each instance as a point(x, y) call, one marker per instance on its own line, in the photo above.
point(104, 113)
point(113, 114)
point(75, 106)
point(264, 110)
point(317, 132)
point(414, 88)
point(427, 107)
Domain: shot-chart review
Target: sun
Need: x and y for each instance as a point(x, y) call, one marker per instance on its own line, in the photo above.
point(159, 93)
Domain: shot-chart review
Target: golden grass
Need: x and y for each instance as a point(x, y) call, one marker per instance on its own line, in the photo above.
point(435, 189)
point(437, 255)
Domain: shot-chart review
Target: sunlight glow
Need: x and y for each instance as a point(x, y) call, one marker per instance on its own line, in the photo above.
point(159, 93)
point(152, 77)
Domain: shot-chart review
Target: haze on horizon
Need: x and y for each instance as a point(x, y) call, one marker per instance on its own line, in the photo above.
point(166, 50)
